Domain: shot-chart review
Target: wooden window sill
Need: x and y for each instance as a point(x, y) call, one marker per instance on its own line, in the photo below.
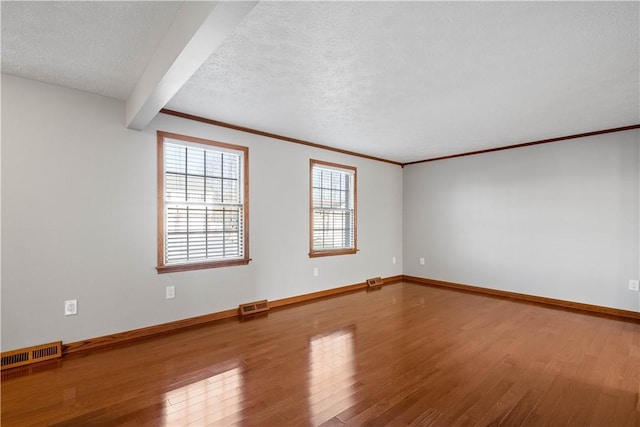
point(201, 265)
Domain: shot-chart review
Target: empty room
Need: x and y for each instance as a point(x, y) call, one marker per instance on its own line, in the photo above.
point(279, 213)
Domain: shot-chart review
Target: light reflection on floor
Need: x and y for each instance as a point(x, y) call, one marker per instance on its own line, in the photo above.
point(331, 376)
point(214, 399)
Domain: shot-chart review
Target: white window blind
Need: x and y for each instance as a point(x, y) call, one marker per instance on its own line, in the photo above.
point(203, 203)
point(333, 206)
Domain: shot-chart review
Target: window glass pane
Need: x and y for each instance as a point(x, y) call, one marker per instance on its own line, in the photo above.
point(174, 158)
point(231, 165)
point(175, 190)
point(195, 161)
point(316, 197)
point(230, 191)
point(195, 188)
point(213, 190)
point(214, 164)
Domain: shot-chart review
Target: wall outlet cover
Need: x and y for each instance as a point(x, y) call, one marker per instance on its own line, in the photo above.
point(71, 307)
point(170, 292)
point(634, 285)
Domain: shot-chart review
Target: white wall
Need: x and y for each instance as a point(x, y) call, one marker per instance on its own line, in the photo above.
point(558, 220)
point(79, 221)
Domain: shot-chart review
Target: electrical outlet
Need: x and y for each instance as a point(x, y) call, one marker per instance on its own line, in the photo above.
point(421, 261)
point(634, 285)
point(71, 307)
point(170, 292)
point(315, 271)
point(393, 260)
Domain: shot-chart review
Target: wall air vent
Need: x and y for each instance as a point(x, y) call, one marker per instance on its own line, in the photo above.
point(376, 281)
point(253, 307)
point(26, 356)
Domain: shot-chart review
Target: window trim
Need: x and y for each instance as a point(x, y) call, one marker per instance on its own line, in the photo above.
point(161, 266)
point(313, 253)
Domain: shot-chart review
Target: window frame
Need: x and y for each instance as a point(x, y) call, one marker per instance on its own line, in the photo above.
point(341, 251)
point(162, 267)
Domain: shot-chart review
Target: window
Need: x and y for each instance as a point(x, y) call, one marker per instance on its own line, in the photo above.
point(332, 210)
point(202, 203)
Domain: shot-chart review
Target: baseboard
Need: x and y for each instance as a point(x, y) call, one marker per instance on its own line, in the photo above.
point(329, 292)
point(627, 314)
point(106, 341)
point(137, 334)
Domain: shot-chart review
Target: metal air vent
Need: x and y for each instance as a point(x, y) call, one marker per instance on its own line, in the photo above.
point(376, 281)
point(25, 356)
point(253, 307)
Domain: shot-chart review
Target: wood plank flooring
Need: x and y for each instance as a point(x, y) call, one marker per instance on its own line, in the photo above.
point(401, 355)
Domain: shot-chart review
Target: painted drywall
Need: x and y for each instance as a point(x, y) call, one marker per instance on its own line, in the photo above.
point(558, 220)
point(79, 221)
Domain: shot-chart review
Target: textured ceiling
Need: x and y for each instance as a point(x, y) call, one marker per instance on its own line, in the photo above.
point(399, 80)
point(412, 80)
point(98, 47)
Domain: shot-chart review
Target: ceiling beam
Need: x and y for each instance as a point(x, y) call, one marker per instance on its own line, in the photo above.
point(197, 31)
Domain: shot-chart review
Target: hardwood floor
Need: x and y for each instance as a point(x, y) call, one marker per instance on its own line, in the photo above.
point(402, 355)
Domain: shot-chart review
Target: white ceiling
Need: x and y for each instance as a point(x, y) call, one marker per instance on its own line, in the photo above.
point(399, 80)
point(98, 47)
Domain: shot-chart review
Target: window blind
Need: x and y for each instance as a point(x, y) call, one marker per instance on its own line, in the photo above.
point(333, 208)
point(204, 206)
